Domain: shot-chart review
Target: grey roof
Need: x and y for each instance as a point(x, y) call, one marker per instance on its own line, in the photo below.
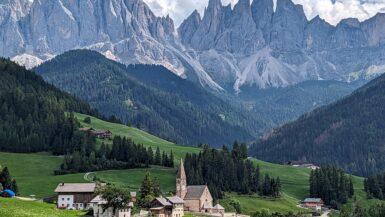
point(75, 188)
point(218, 207)
point(312, 200)
point(163, 201)
point(99, 200)
point(195, 191)
point(175, 200)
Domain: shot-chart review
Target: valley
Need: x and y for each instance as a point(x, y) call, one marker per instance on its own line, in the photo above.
point(247, 107)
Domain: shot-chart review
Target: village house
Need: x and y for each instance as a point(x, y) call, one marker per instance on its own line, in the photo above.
point(97, 206)
point(133, 196)
point(75, 196)
point(313, 203)
point(167, 207)
point(197, 198)
point(302, 164)
point(100, 134)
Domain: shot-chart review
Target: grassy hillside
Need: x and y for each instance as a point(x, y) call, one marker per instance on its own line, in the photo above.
point(295, 188)
point(138, 136)
point(18, 208)
point(34, 174)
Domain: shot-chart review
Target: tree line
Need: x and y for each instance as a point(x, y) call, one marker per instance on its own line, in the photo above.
point(225, 170)
point(331, 184)
point(377, 210)
point(32, 112)
point(123, 154)
point(375, 186)
point(6, 181)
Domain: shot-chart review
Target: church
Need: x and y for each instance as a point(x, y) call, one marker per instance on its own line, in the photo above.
point(197, 198)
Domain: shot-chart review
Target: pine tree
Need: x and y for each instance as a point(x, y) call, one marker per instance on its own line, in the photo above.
point(158, 158)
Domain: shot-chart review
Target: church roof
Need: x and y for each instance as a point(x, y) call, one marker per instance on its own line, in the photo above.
point(195, 191)
point(181, 172)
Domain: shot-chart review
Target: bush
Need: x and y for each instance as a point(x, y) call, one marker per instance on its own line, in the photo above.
point(87, 120)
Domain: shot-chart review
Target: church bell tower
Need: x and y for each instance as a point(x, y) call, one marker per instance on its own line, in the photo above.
point(181, 181)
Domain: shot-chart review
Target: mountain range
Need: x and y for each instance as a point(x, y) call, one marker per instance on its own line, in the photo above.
point(226, 49)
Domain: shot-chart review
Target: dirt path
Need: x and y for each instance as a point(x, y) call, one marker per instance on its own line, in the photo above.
point(87, 177)
point(325, 214)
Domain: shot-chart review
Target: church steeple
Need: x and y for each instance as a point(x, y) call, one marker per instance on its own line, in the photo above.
point(181, 181)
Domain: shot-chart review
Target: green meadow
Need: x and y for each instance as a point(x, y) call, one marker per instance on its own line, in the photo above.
point(35, 175)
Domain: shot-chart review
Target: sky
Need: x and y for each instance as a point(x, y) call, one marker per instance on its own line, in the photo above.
point(333, 11)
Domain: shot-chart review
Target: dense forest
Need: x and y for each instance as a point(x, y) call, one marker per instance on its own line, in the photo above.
point(6, 181)
point(348, 134)
point(124, 154)
point(358, 211)
point(332, 185)
point(229, 171)
point(152, 97)
point(32, 112)
point(375, 186)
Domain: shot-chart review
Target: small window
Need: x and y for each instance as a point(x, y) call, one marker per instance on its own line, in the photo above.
point(68, 199)
point(62, 199)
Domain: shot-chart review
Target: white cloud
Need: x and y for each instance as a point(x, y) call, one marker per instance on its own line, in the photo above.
point(330, 10)
point(341, 9)
point(180, 9)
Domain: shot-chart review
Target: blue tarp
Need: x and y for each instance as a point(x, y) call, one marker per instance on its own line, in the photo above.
point(9, 192)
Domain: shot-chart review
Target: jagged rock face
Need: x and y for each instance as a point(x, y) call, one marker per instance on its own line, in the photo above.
point(255, 45)
point(125, 28)
point(227, 48)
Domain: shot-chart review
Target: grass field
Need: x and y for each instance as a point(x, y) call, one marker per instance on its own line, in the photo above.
point(138, 136)
point(295, 188)
point(34, 174)
point(18, 208)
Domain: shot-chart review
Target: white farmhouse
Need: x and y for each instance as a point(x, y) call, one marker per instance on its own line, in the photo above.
point(75, 195)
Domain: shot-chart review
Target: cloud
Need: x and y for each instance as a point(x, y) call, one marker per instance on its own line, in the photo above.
point(335, 11)
point(330, 10)
point(180, 9)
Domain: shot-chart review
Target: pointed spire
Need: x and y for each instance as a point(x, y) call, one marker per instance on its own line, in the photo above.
point(181, 172)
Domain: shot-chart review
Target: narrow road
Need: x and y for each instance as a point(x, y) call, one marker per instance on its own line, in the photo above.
point(87, 178)
point(325, 214)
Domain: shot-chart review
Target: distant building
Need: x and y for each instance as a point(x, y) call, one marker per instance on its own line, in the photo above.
point(133, 196)
point(100, 134)
point(303, 165)
point(167, 207)
point(97, 206)
point(197, 198)
point(313, 203)
point(75, 195)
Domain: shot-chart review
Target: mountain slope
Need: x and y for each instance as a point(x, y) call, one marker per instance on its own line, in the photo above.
point(348, 133)
point(167, 112)
point(32, 111)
